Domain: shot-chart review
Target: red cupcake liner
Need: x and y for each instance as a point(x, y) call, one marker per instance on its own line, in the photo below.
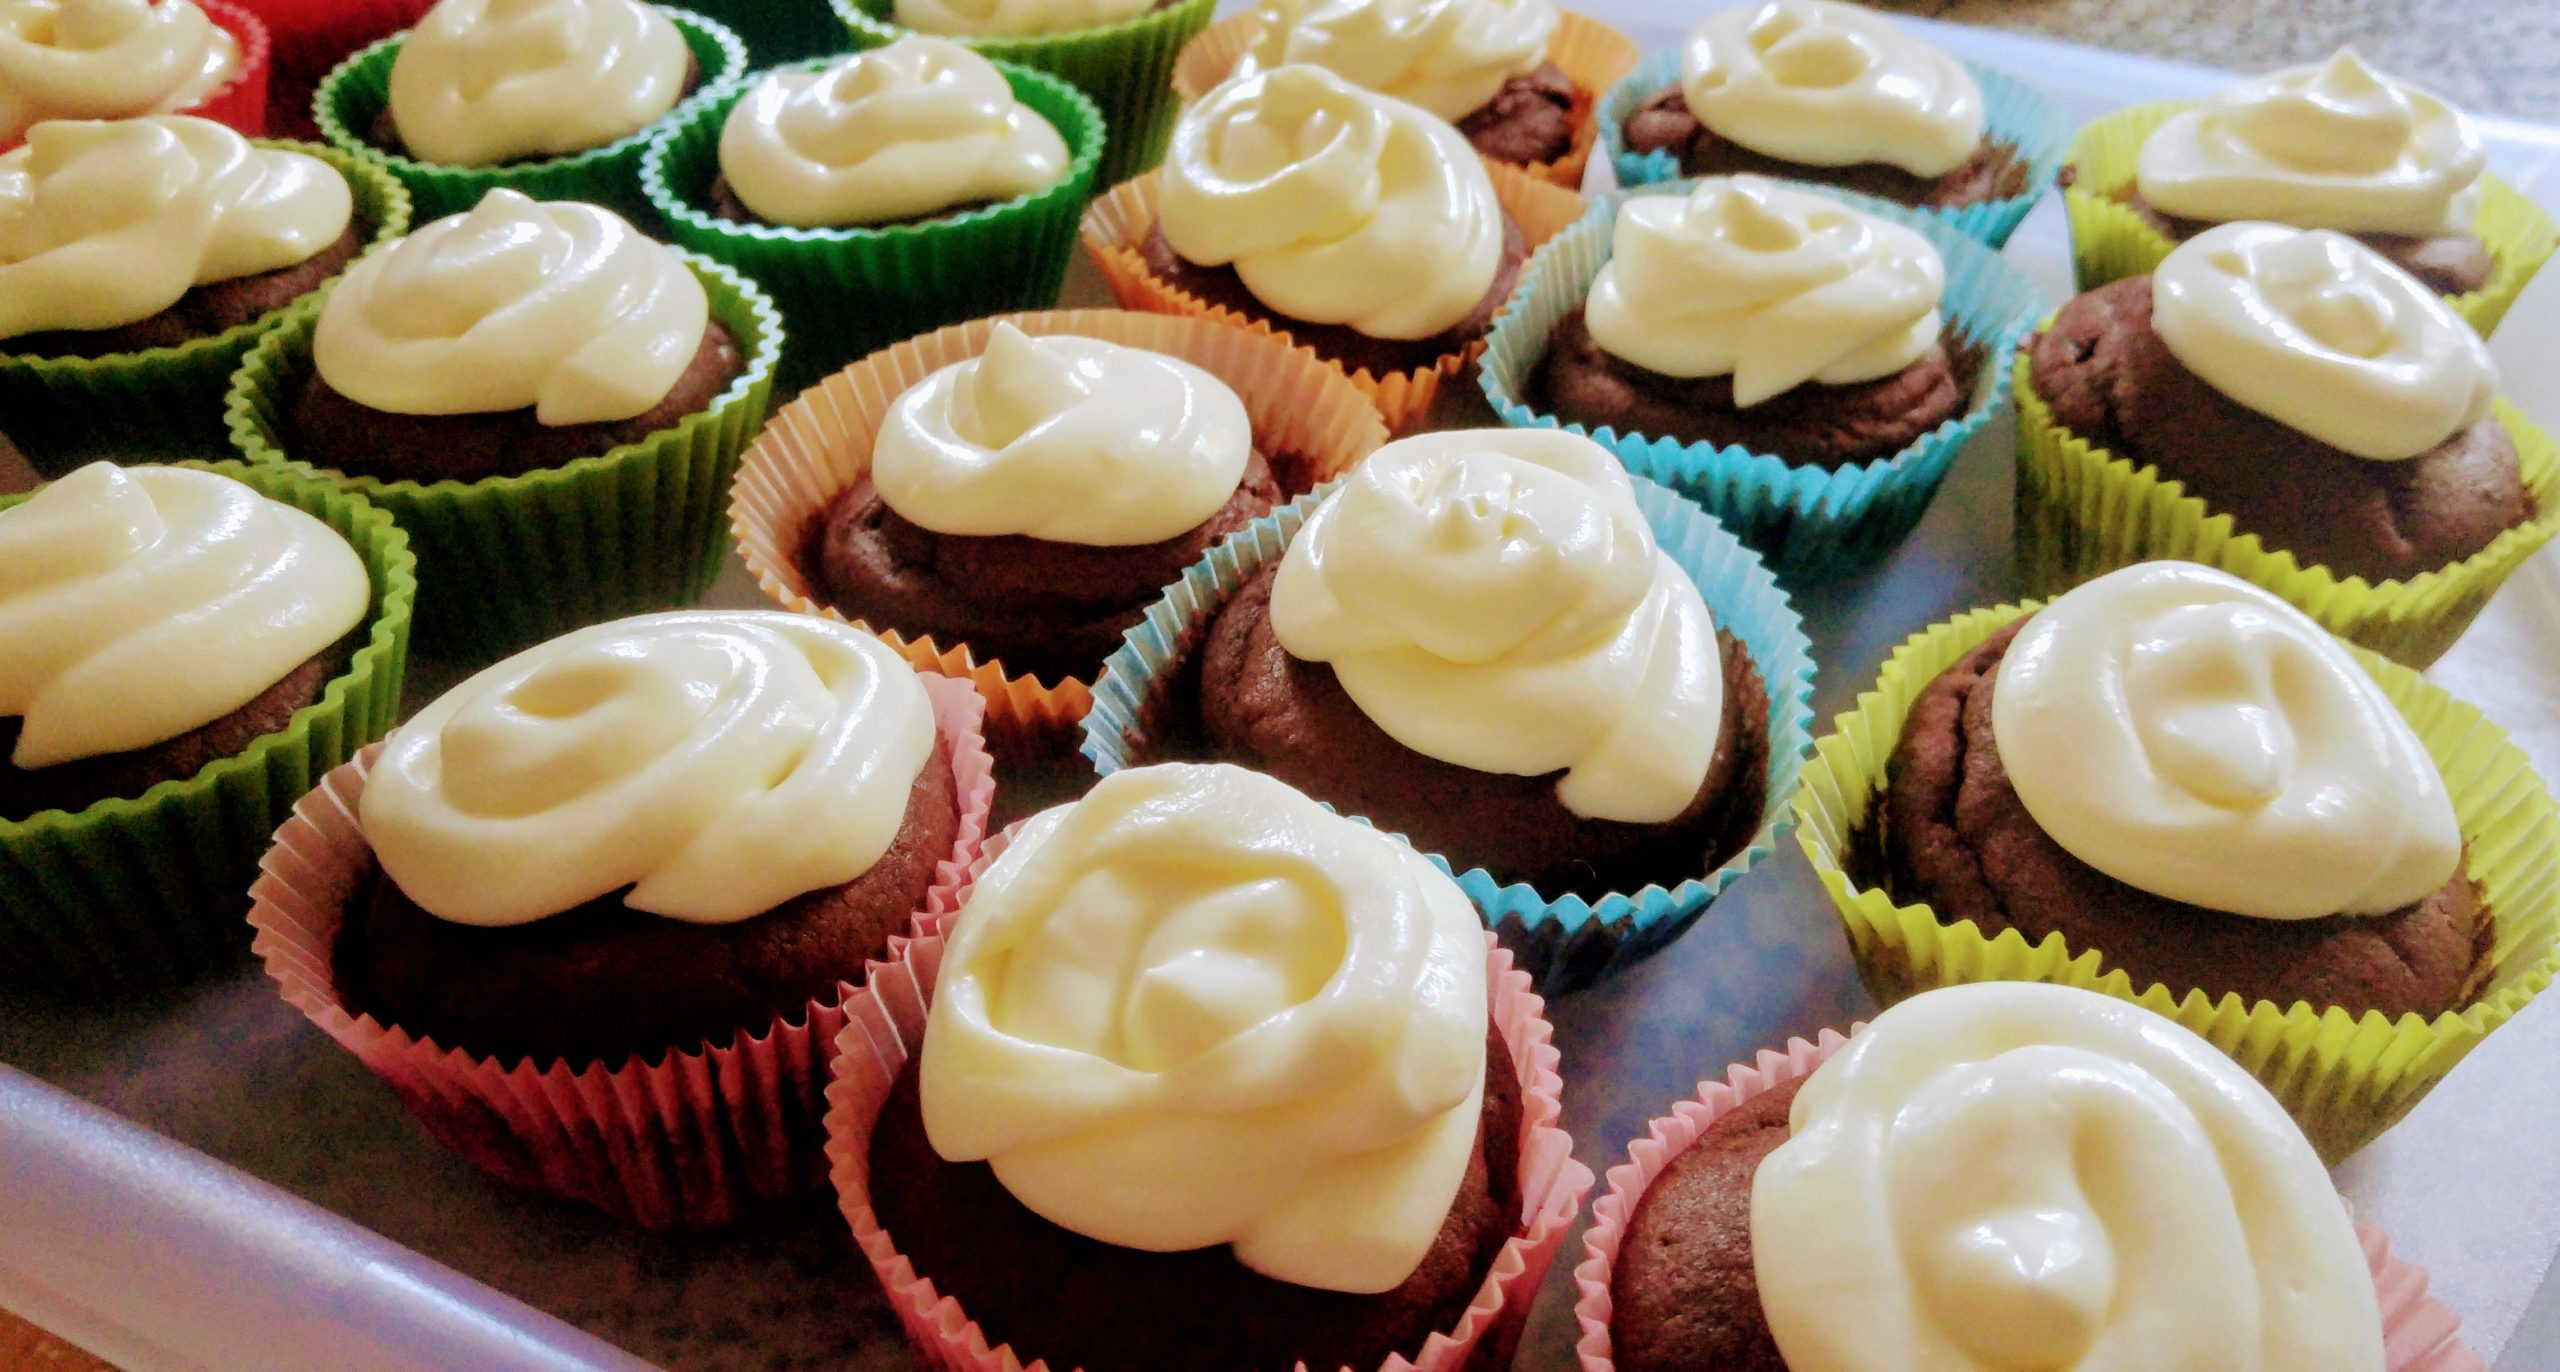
point(688, 1143)
point(309, 38)
point(884, 1022)
point(241, 104)
point(2419, 1333)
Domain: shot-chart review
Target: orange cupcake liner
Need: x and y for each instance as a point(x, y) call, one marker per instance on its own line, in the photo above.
point(691, 1142)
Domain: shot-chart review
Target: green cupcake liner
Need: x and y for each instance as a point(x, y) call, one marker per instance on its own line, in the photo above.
point(777, 31)
point(2109, 242)
point(511, 560)
point(846, 293)
point(154, 889)
point(351, 98)
point(1126, 68)
point(164, 403)
point(2345, 1078)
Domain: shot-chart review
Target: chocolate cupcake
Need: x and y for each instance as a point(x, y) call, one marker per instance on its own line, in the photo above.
point(115, 59)
point(484, 83)
point(1480, 64)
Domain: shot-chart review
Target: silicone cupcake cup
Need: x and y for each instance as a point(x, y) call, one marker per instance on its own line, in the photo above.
point(148, 891)
point(1594, 56)
point(1809, 520)
point(1126, 68)
point(2110, 242)
point(1563, 941)
point(820, 446)
point(308, 37)
point(2344, 1077)
point(2419, 1333)
point(692, 1141)
point(1116, 227)
point(778, 31)
point(2083, 511)
point(846, 292)
point(2016, 114)
point(510, 560)
point(241, 102)
point(352, 97)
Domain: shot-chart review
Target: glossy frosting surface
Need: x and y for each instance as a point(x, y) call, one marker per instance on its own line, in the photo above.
point(1830, 85)
point(1448, 56)
point(479, 82)
point(106, 59)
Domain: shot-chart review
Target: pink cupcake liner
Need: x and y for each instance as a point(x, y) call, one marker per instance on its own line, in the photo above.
point(688, 1143)
point(2419, 1333)
point(884, 1021)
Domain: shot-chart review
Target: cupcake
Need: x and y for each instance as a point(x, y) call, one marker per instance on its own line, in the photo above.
point(2333, 410)
point(1211, 1078)
point(884, 194)
point(2331, 145)
point(113, 59)
point(654, 850)
point(309, 37)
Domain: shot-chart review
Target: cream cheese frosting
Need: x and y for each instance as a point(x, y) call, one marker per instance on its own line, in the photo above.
point(1067, 439)
point(1830, 85)
point(138, 604)
point(1448, 56)
point(1495, 599)
point(918, 126)
point(1197, 1008)
point(2332, 145)
point(555, 305)
point(2007, 1176)
point(717, 763)
point(1335, 205)
point(479, 82)
point(1770, 285)
point(107, 59)
point(1012, 18)
point(103, 223)
point(2194, 736)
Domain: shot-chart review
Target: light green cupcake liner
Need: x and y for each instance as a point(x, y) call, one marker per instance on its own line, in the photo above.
point(846, 293)
point(164, 403)
point(2345, 1078)
point(778, 31)
point(153, 889)
point(351, 98)
point(2109, 242)
point(1126, 68)
point(512, 560)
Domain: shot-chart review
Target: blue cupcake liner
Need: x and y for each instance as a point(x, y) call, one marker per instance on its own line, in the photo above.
point(2014, 113)
point(1809, 521)
point(1565, 942)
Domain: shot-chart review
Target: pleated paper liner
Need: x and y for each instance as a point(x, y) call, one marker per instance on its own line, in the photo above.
point(1117, 224)
point(1594, 56)
point(352, 97)
point(2419, 1334)
point(1808, 520)
point(820, 446)
point(1127, 69)
point(148, 891)
point(778, 31)
point(308, 37)
point(846, 292)
point(163, 403)
point(2345, 1078)
point(693, 1141)
point(2017, 114)
point(885, 1026)
point(2110, 242)
point(2083, 511)
point(1563, 941)
point(511, 560)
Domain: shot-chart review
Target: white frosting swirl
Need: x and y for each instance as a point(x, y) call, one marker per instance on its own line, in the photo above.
point(1448, 56)
point(1067, 439)
point(1013, 18)
point(1196, 1007)
point(138, 604)
point(479, 82)
point(1494, 599)
point(559, 306)
point(106, 59)
point(718, 763)
point(918, 126)
point(1769, 285)
point(2194, 736)
point(1830, 85)
point(2333, 145)
point(2322, 334)
point(1320, 194)
point(2008, 1177)
point(103, 223)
